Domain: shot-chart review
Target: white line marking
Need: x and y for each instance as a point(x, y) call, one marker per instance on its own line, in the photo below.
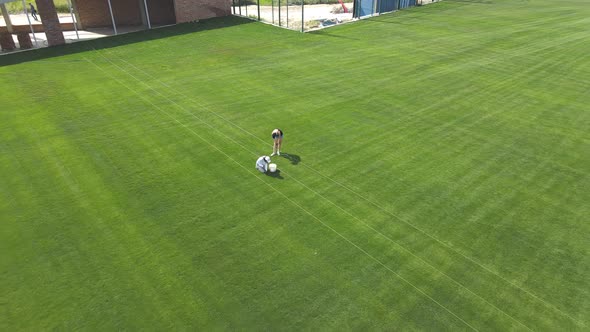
point(285, 196)
point(359, 195)
point(549, 305)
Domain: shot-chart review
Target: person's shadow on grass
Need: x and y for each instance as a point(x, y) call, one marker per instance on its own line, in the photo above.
point(293, 158)
point(276, 174)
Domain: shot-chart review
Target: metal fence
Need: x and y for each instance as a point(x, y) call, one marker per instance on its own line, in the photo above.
point(305, 15)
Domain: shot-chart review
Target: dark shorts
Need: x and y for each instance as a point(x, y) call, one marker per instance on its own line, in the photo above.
point(275, 136)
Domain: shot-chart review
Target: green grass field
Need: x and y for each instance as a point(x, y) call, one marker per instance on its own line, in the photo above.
point(437, 175)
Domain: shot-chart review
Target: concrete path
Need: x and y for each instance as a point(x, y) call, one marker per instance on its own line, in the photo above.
point(70, 36)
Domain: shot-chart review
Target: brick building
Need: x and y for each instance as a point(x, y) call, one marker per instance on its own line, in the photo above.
point(96, 13)
point(118, 13)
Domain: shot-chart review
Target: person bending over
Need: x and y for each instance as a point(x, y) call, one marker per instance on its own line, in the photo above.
point(277, 137)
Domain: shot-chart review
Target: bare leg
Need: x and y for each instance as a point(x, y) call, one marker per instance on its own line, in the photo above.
point(279, 143)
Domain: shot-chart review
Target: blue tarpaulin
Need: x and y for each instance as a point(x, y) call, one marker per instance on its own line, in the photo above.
point(387, 6)
point(367, 7)
point(372, 7)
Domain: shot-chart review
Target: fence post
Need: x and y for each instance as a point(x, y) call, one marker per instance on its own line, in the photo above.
point(302, 16)
point(279, 12)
